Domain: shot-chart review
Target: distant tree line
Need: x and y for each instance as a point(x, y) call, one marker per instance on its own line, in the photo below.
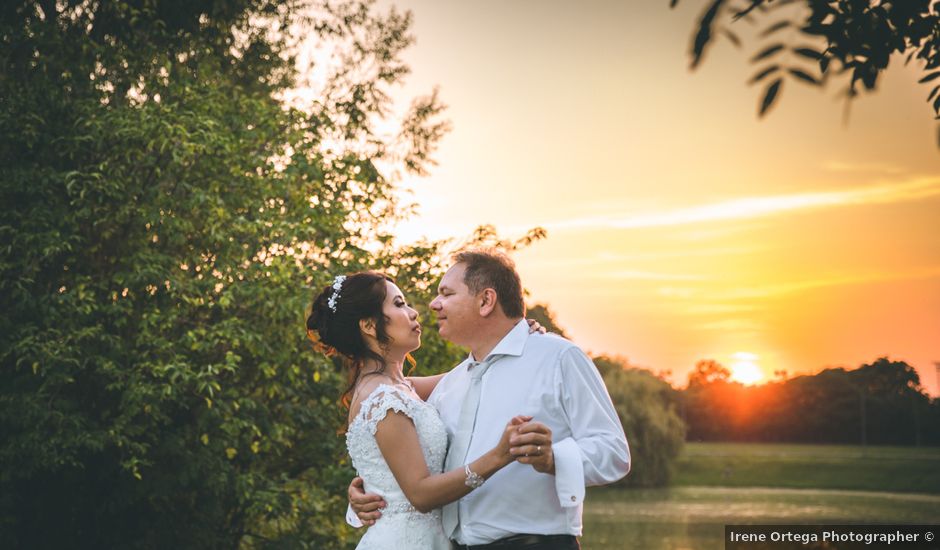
point(881, 403)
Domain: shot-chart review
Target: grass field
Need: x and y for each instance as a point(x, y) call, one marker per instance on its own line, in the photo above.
point(895, 469)
point(744, 483)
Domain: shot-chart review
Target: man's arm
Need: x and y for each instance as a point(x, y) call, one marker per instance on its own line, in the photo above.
point(597, 452)
point(595, 426)
point(364, 508)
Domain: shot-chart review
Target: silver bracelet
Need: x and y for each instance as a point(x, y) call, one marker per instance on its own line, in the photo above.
point(474, 480)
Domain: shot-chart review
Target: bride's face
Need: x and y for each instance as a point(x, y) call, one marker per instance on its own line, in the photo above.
point(401, 320)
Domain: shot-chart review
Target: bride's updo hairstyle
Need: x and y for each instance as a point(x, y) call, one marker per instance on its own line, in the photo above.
point(335, 320)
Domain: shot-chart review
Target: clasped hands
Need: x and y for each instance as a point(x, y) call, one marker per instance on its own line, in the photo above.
point(530, 444)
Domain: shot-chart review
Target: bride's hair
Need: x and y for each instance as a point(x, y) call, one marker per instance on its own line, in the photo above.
point(336, 321)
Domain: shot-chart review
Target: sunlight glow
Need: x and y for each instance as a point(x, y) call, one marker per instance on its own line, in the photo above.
point(745, 369)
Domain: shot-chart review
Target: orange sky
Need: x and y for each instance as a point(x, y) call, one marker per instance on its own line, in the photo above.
point(680, 226)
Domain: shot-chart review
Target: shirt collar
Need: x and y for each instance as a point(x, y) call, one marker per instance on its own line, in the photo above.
point(511, 344)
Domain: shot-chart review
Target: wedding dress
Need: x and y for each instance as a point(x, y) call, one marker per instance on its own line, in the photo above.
point(401, 526)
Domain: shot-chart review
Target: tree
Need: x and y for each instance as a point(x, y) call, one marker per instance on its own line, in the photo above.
point(542, 314)
point(708, 371)
point(167, 217)
point(850, 41)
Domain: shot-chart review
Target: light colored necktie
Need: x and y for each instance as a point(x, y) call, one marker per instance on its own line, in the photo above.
point(457, 453)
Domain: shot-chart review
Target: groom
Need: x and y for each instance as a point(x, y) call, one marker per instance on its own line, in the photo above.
point(575, 438)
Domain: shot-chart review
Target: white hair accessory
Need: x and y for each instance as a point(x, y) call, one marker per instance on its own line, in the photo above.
point(337, 285)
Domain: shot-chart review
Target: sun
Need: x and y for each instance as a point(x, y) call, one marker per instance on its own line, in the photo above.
point(744, 369)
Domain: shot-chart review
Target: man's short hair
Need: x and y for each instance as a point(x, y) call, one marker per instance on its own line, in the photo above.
point(490, 268)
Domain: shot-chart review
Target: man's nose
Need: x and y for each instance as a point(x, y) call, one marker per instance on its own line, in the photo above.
point(436, 303)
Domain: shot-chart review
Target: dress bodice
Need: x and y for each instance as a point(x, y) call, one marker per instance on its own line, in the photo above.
point(401, 526)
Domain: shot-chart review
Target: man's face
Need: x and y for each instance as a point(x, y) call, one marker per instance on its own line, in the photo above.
point(457, 309)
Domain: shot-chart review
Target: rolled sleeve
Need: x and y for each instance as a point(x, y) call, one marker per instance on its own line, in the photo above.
point(569, 472)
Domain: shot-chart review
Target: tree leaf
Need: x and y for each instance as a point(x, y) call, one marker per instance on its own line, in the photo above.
point(929, 77)
point(808, 53)
point(933, 93)
point(805, 77)
point(704, 34)
point(732, 37)
point(747, 10)
point(775, 27)
point(767, 52)
point(770, 96)
point(760, 75)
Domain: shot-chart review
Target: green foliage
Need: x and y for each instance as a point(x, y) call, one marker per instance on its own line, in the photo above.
point(544, 316)
point(648, 410)
point(166, 220)
point(850, 40)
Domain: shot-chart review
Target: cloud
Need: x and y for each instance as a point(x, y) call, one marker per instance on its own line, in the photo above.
point(731, 325)
point(651, 276)
point(757, 207)
point(799, 286)
point(711, 309)
point(837, 166)
point(606, 259)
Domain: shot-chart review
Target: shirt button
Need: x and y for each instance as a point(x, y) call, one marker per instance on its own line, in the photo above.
point(574, 498)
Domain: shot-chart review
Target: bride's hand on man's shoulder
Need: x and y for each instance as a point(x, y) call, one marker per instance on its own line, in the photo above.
point(535, 326)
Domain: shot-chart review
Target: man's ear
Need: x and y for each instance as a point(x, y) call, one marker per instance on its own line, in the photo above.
point(367, 326)
point(487, 302)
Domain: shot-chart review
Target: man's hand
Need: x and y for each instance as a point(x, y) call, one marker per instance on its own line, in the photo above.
point(367, 506)
point(533, 445)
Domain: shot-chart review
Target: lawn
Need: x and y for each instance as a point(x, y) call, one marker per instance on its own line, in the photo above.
point(893, 469)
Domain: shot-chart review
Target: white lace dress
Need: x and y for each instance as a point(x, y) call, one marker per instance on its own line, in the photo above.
point(401, 527)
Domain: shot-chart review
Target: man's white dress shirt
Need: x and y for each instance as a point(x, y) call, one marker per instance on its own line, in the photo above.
point(552, 380)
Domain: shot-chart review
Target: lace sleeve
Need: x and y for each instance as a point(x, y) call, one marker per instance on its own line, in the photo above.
point(385, 398)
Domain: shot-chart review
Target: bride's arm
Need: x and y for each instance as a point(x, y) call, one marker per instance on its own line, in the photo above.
point(398, 441)
point(424, 385)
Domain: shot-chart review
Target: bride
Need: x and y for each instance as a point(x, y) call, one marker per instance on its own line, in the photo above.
point(397, 442)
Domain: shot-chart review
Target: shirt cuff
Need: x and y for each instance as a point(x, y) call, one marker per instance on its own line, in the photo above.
point(569, 473)
point(351, 518)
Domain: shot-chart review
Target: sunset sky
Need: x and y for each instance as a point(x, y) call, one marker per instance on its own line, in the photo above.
point(680, 226)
